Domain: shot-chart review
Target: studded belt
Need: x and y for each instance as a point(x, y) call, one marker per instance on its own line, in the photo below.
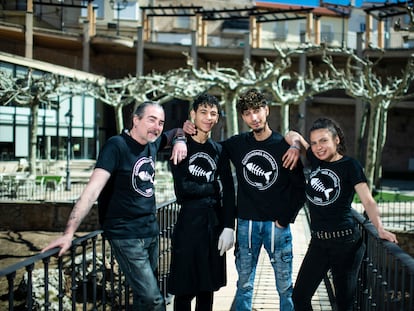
point(327, 235)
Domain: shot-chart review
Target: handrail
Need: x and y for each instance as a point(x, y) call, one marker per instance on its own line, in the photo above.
point(386, 277)
point(95, 279)
point(386, 280)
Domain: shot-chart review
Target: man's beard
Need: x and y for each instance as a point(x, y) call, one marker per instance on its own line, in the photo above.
point(259, 130)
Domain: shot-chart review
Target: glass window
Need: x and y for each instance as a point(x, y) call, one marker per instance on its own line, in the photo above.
point(98, 6)
point(280, 30)
point(326, 33)
point(128, 12)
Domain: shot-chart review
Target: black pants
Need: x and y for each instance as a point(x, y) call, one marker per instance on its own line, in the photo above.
point(204, 302)
point(343, 257)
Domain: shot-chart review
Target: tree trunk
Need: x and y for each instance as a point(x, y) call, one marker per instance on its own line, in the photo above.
point(230, 99)
point(382, 136)
point(372, 144)
point(362, 130)
point(34, 107)
point(119, 118)
point(284, 118)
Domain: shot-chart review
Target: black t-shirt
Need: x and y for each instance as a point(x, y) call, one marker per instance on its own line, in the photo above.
point(196, 180)
point(330, 192)
point(266, 190)
point(127, 203)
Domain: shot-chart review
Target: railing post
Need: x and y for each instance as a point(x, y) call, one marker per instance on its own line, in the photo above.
point(46, 262)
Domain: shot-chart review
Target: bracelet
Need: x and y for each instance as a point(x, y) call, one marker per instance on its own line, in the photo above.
point(295, 147)
point(179, 139)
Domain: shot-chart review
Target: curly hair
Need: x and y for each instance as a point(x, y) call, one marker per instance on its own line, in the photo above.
point(333, 127)
point(251, 99)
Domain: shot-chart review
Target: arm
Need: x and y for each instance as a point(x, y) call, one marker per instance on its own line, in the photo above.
point(291, 157)
point(189, 128)
point(82, 207)
point(293, 138)
point(226, 238)
point(176, 138)
point(371, 208)
point(295, 196)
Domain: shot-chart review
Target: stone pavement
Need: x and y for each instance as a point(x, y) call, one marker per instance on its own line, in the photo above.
point(265, 296)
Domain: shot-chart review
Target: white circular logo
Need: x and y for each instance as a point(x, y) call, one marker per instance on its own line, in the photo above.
point(143, 177)
point(323, 188)
point(202, 166)
point(260, 169)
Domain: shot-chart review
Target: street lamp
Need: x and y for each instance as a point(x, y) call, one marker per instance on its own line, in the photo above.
point(118, 6)
point(68, 118)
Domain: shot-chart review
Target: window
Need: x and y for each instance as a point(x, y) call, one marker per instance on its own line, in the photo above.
point(326, 33)
point(130, 12)
point(280, 30)
point(182, 22)
point(98, 6)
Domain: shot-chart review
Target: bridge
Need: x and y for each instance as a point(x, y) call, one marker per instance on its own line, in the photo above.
point(88, 278)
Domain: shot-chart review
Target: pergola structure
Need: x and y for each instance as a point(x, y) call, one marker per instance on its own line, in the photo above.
point(382, 12)
point(255, 15)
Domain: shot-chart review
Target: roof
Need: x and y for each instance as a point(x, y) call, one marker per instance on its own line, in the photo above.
point(47, 67)
point(320, 11)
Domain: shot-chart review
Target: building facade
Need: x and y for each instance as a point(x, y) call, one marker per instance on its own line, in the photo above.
point(115, 39)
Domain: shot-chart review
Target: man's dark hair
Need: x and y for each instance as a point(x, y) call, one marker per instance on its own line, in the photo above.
point(206, 99)
point(139, 111)
point(251, 99)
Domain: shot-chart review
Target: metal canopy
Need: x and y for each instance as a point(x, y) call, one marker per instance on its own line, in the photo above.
point(384, 11)
point(343, 10)
point(262, 15)
point(67, 3)
point(190, 10)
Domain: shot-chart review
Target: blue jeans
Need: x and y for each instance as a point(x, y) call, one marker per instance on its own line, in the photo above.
point(138, 260)
point(251, 235)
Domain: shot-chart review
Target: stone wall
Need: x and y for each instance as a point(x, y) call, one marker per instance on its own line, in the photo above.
point(49, 216)
point(406, 242)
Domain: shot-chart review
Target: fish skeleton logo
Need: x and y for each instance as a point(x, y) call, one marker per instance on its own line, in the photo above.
point(143, 177)
point(323, 188)
point(202, 166)
point(260, 169)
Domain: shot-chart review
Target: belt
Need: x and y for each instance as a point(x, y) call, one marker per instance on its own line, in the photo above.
point(327, 235)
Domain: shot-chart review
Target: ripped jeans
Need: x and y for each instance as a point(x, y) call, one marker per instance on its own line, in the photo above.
point(251, 235)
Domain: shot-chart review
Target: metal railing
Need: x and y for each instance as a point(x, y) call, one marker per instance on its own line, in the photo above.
point(395, 215)
point(386, 277)
point(29, 191)
point(86, 278)
point(386, 280)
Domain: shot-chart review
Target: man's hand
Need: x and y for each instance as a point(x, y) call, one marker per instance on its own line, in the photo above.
point(189, 128)
point(226, 240)
point(291, 157)
point(64, 242)
point(179, 152)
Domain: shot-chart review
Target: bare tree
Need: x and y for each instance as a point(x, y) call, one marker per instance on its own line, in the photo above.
point(32, 91)
point(162, 88)
point(286, 88)
point(360, 81)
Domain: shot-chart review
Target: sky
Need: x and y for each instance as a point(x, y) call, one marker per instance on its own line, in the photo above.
point(316, 2)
